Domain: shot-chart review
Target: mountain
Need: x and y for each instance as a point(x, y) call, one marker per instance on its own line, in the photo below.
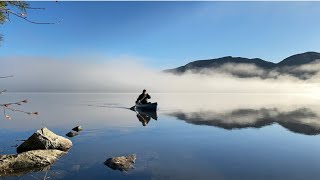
point(300, 59)
point(289, 66)
point(216, 63)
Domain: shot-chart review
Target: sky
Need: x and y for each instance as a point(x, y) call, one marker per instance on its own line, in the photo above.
point(164, 34)
point(123, 46)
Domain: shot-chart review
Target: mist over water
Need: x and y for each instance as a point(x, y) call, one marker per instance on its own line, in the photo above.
point(132, 75)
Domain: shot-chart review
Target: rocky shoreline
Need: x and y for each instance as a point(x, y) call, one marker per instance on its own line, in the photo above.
point(38, 152)
point(29, 161)
point(43, 148)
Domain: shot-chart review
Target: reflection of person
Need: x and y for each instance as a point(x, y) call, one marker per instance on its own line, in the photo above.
point(143, 98)
point(144, 119)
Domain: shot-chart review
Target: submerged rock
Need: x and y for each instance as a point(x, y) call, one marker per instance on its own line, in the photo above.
point(30, 161)
point(10, 173)
point(45, 139)
point(77, 129)
point(122, 163)
point(72, 134)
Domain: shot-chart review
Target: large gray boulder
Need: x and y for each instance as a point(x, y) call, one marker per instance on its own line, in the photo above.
point(36, 160)
point(122, 163)
point(45, 139)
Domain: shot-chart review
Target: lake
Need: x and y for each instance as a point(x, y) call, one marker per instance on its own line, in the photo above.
point(195, 136)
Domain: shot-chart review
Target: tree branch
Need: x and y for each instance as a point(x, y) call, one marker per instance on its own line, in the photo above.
point(25, 18)
point(6, 106)
point(1, 77)
point(14, 103)
point(27, 7)
point(3, 91)
point(17, 110)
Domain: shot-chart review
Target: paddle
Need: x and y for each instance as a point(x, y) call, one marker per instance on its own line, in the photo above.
point(132, 108)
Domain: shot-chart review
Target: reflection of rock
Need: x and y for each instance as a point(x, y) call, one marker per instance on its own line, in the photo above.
point(45, 139)
point(77, 129)
point(122, 163)
point(76, 167)
point(30, 161)
point(72, 134)
point(302, 120)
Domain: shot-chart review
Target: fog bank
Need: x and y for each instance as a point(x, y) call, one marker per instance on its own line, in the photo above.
point(131, 75)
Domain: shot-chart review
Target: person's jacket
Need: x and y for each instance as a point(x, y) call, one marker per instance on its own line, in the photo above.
point(143, 98)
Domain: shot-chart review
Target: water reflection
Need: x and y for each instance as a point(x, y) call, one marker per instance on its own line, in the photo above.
point(300, 120)
point(174, 149)
point(144, 116)
point(22, 172)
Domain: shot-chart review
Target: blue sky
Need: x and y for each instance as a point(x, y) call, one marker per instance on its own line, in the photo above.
point(165, 34)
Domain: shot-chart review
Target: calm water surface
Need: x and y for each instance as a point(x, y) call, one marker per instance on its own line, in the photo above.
point(196, 136)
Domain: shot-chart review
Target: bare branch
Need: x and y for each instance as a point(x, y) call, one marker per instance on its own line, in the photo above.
point(18, 110)
point(22, 16)
point(5, 115)
point(35, 8)
point(1, 77)
point(7, 106)
point(3, 91)
point(14, 103)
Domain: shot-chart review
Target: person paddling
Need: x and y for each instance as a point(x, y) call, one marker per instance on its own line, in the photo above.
point(143, 98)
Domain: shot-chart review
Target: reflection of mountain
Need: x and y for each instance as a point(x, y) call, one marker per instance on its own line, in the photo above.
point(302, 120)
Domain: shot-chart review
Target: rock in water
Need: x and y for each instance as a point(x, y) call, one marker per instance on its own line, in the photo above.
point(72, 134)
point(45, 139)
point(36, 160)
point(77, 129)
point(122, 163)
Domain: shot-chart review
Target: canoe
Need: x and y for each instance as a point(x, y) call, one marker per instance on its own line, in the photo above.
point(147, 112)
point(149, 106)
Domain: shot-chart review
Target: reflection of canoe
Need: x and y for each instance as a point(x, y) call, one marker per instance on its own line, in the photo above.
point(149, 113)
point(149, 106)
